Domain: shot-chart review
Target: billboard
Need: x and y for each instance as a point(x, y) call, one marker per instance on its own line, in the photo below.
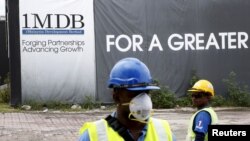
point(175, 39)
point(68, 47)
point(57, 50)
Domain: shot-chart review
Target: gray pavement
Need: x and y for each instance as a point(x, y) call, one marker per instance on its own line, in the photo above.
point(64, 126)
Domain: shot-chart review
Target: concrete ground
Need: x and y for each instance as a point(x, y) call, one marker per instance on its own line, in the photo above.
point(64, 126)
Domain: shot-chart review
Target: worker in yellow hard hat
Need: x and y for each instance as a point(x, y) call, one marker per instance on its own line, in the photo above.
point(202, 93)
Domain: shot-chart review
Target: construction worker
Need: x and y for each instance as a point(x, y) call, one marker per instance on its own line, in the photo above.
point(130, 81)
point(202, 93)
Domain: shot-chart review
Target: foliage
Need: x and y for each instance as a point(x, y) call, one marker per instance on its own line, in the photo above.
point(4, 95)
point(184, 101)
point(193, 79)
point(90, 103)
point(218, 100)
point(37, 105)
point(4, 108)
point(163, 98)
point(5, 92)
point(236, 95)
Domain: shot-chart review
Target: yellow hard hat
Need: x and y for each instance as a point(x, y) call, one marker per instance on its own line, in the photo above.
point(203, 86)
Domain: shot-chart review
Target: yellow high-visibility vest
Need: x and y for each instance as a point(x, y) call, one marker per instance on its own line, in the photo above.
point(214, 120)
point(158, 130)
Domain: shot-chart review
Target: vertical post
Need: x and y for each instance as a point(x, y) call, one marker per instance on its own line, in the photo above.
point(13, 42)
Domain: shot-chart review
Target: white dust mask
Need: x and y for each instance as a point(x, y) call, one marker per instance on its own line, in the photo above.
point(140, 107)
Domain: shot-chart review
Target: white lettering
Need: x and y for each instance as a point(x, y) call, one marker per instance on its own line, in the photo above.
point(223, 39)
point(124, 43)
point(155, 43)
point(189, 43)
point(216, 132)
point(176, 42)
point(231, 40)
point(137, 44)
point(212, 42)
point(242, 39)
point(118, 45)
point(178, 45)
point(109, 42)
point(199, 41)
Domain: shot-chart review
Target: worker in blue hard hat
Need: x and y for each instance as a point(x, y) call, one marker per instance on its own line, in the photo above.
point(130, 81)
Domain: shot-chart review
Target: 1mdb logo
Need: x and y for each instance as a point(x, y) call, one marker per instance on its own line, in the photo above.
point(53, 21)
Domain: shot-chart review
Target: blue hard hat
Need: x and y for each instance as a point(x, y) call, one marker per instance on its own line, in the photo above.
point(132, 74)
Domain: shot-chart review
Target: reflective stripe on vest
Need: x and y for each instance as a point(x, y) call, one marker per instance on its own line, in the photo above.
point(160, 130)
point(100, 127)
